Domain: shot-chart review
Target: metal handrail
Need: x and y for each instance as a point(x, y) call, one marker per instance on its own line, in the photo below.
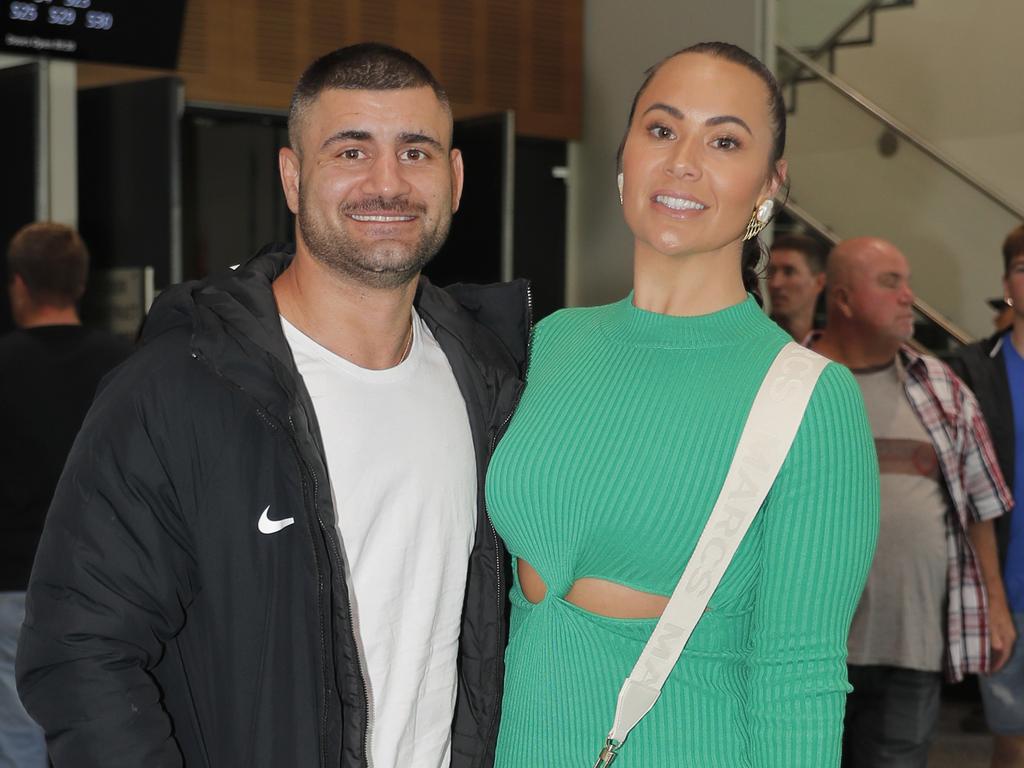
point(843, 28)
point(922, 306)
point(897, 127)
point(835, 38)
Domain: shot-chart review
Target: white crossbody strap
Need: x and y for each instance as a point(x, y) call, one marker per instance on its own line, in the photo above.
point(767, 436)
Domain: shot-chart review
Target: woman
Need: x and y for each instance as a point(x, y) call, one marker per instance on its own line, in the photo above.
point(607, 473)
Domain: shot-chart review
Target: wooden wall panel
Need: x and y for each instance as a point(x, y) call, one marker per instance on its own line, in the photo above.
point(491, 55)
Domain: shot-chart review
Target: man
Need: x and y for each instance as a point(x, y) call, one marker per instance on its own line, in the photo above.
point(994, 370)
point(1003, 317)
point(52, 366)
point(269, 547)
point(796, 278)
point(934, 600)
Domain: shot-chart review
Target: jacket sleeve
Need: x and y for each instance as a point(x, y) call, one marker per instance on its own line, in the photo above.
point(110, 585)
point(988, 496)
point(820, 526)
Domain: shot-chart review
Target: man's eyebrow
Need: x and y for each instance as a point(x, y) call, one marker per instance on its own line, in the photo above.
point(420, 138)
point(346, 135)
point(723, 119)
point(408, 137)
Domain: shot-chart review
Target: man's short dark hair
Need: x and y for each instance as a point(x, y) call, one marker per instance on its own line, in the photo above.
point(52, 260)
point(1013, 246)
point(815, 251)
point(365, 66)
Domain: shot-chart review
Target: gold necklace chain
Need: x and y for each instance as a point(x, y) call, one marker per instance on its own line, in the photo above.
point(408, 346)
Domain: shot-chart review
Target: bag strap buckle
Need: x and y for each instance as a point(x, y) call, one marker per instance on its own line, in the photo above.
point(608, 753)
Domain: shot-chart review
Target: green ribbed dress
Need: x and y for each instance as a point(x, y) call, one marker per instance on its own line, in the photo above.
point(609, 469)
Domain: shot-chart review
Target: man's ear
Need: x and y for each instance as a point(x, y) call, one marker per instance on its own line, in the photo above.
point(455, 158)
point(841, 298)
point(819, 282)
point(16, 286)
point(290, 167)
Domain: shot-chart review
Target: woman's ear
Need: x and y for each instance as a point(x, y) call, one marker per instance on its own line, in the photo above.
point(778, 178)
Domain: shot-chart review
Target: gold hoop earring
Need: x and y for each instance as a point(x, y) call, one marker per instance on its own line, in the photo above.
point(759, 219)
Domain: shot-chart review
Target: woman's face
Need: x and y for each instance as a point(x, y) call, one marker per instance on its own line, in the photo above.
point(697, 158)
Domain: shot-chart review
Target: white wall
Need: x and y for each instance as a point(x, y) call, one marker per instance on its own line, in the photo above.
point(620, 41)
point(950, 233)
point(953, 71)
point(950, 71)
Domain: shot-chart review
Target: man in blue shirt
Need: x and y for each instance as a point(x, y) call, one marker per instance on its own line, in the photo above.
point(994, 369)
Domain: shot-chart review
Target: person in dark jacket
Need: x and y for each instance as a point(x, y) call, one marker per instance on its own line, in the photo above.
point(52, 366)
point(269, 546)
point(994, 370)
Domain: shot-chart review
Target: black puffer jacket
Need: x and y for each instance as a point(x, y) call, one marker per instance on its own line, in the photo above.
point(162, 628)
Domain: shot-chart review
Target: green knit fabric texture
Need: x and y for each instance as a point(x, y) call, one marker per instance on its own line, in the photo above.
point(609, 470)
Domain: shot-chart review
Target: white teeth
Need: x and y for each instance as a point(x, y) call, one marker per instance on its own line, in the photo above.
point(382, 219)
point(679, 204)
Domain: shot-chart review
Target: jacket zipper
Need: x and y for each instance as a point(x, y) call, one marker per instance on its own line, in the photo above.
point(320, 604)
point(498, 434)
point(351, 622)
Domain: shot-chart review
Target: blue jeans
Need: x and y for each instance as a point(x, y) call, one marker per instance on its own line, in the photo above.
point(1003, 692)
point(21, 740)
point(890, 717)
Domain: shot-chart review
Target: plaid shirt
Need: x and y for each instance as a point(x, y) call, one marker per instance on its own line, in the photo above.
point(949, 412)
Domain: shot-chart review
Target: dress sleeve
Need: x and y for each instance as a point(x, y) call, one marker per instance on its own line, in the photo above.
point(819, 533)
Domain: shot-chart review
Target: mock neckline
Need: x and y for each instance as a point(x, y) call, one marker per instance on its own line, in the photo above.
point(628, 324)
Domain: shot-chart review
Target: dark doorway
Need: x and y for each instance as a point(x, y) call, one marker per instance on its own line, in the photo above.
point(511, 222)
point(128, 175)
point(19, 133)
point(233, 202)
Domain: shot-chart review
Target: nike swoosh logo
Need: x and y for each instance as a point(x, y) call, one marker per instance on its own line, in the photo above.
point(266, 525)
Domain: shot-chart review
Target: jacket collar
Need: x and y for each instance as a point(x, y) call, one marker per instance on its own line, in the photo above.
point(236, 327)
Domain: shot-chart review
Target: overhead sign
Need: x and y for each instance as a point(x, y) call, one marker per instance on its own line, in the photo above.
point(144, 34)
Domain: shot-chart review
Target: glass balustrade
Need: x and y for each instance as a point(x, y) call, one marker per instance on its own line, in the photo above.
point(859, 177)
point(816, 26)
point(808, 24)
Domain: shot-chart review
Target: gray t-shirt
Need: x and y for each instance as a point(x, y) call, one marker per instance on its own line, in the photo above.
point(901, 618)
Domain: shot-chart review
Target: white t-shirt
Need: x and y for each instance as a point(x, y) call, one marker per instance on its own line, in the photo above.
point(403, 477)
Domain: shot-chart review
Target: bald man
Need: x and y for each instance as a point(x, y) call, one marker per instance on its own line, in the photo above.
point(934, 602)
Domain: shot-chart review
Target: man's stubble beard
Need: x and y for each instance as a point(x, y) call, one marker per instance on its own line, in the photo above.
point(385, 265)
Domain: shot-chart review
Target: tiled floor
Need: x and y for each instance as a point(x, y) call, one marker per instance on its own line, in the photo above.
point(954, 748)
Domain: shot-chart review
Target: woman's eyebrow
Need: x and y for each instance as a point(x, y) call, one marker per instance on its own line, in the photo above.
point(710, 122)
point(722, 119)
point(676, 113)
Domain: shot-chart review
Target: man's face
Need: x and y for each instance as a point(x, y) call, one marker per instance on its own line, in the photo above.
point(792, 286)
point(375, 184)
point(879, 295)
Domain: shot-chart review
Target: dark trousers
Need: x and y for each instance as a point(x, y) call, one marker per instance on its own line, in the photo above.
point(890, 717)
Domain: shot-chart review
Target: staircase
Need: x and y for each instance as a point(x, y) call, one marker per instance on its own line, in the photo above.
point(858, 170)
